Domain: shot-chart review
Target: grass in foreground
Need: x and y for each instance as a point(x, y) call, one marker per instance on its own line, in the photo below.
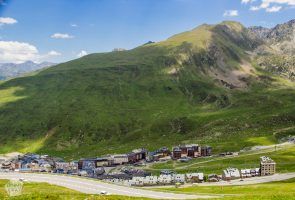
point(42, 191)
point(275, 190)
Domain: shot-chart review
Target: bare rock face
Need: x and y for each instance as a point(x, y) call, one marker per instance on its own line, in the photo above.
point(259, 31)
point(282, 32)
point(281, 38)
point(277, 54)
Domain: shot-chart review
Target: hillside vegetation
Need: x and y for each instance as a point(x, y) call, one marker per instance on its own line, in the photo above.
point(202, 86)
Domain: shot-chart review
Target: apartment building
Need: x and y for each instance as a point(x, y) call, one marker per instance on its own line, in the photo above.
point(267, 166)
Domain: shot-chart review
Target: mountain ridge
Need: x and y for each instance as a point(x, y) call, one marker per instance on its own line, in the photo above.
point(11, 70)
point(281, 37)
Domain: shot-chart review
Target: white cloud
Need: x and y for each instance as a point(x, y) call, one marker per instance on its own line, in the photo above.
point(254, 8)
point(13, 51)
point(61, 36)
point(247, 1)
point(82, 53)
point(18, 52)
point(47, 56)
point(274, 9)
point(267, 3)
point(74, 25)
point(272, 5)
point(53, 53)
point(230, 13)
point(7, 20)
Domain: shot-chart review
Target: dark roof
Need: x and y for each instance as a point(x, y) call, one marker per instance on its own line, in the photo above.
point(101, 159)
point(87, 159)
point(118, 176)
point(176, 149)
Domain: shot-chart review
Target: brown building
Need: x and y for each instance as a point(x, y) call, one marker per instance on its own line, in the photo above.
point(102, 162)
point(206, 151)
point(164, 151)
point(176, 153)
point(184, 150)
point(193, 150)
point(267, 166)
point(140, 154)
point(161, 153)
point(15, 165)
point(120, 159)
point(132, 157)
point(187, 150)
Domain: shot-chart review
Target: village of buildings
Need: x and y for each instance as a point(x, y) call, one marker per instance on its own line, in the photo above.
point(125, 168)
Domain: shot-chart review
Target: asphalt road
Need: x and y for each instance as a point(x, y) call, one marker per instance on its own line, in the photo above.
point(89, 186)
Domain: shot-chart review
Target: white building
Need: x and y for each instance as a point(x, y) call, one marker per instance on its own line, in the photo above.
point(246, 173)
point(267, 166)
point(179, 178)
point(230, 174)
point(255, 172)
point(62, 165)
point(137, 181)
point(194, 177)
point(150, 180)
point(165, 179)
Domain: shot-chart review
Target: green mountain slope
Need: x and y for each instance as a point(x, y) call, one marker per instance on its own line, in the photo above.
point(200, 86)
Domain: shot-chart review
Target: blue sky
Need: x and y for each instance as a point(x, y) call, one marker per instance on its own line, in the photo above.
point(61, 30)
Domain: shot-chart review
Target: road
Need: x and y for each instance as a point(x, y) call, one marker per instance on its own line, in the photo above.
point(89, 186)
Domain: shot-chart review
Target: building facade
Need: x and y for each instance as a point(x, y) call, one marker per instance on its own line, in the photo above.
point(267, 166)
point(231, 174)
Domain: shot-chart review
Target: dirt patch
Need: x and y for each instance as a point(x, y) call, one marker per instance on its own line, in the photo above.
point(9, 156)
point(172, 71)
point(234, 78)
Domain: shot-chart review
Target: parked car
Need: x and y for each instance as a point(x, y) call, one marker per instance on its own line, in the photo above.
point(103, 193)
point(167, 172)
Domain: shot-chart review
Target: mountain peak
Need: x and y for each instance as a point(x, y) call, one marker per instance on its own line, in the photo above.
point(234, 25)
point(292, 21)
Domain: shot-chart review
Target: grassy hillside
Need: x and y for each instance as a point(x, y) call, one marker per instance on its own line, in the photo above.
point(184, 89)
